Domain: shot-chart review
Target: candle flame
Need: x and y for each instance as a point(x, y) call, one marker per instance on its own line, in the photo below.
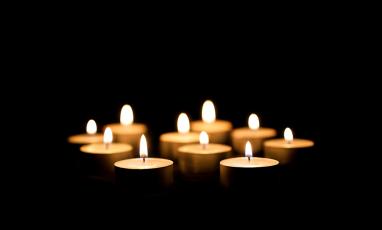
point(183, 123)
point(203, 138)
point(107, 136)
point(253, 122)
point(91, 127)
point(208, 112)
point(143, 147)
point(288, 135)
point(127, 116)
point(248, 149)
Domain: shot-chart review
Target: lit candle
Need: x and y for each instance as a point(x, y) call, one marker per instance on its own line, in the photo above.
point(127, 131)
point(201, 161)
point(90, 137)
point(99, 158)
point(245, 171)
point(218, 130)
point(287, 150)
point(144, 173)
point(170, 142)
point(255, 134)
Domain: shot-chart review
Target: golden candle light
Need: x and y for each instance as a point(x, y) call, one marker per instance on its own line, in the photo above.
point(147, 173)
point(218, 130)
point(90, 137)
point(98, 159)
point(201, 161)
point(244, 171)
point(170, 142)
point(288, 150)
point(127, 131)
point(255, 134)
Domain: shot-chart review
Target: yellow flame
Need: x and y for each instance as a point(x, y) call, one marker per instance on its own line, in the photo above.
point(91, 127)
point(253, 122)
point(143, 147)
point(203, 138)
point(107, 136)
point(288, 135)
point(127, 116)
point(248, 149)
point(183, 123)
point(208, 112)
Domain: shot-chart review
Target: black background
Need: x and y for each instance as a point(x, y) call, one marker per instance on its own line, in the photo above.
point(283, 72)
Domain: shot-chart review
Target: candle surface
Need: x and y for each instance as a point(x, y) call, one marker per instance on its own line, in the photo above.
point(254, 162)
point(85, 139)
point(296, 143)
point(101, 148)
point(149, 163)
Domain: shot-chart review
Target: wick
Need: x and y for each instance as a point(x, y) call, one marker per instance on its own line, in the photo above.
point(249, 159)
point(288, 142)
point(144, 159)
point(204, 146)
point(107, 145)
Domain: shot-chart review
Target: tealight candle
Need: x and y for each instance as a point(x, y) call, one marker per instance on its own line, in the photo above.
point(144, 173)
point(170, 142)
point(255, 134)
point(244, 171)
point(90, 137)
point(201, 161)
point(99, 158)
point(287, 150)
point(218, 130)
point(127, 131)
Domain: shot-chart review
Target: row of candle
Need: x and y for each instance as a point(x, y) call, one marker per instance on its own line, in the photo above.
point(182, 146)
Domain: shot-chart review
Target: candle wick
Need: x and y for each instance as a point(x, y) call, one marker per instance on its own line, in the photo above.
point(144, 159)
point(107, 145)
point(204, 146)
point(249, 159)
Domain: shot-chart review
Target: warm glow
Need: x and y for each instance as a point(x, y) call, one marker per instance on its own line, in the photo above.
point(107, 136)
point(288, 135)
point(91, 127)
point(203, 138)
point(248, 149)
point(208, 112)
point(127, 116)
point(253, 122)
point(183, 123)
point(143, 147)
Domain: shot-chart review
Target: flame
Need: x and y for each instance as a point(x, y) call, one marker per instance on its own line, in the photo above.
point(248, 149)
point(253, 122)
point(203, 138)
point(91, 127)
point(208, 112)
point(183, 123)
point(143, 147)
point(288, 135)
point(107, 136)
point(127, 116)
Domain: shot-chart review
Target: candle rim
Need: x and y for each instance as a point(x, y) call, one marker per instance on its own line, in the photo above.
point(252, 163)
point(147, 161)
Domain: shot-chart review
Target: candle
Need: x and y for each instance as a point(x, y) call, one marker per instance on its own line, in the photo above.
point(246, 171)
point(255, 134)
point(170, 142)
point(218, 130)
point(127, 131)
point(144, 173)
point(98, 159)
point(201, 161)
point(90, 137)
point(288, 150)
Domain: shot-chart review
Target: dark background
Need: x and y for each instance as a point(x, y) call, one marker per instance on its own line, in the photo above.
point(283, 72)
